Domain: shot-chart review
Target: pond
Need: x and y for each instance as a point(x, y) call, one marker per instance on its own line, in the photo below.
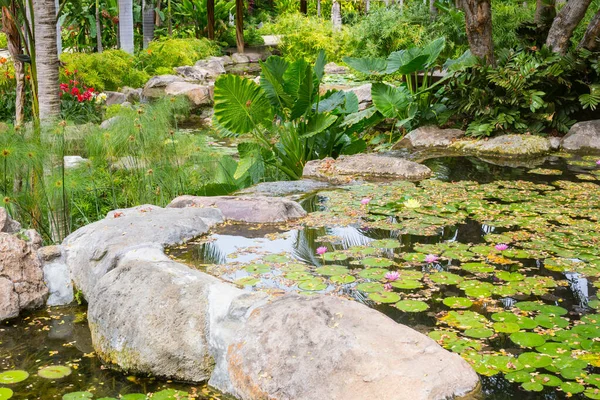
point(499, 264)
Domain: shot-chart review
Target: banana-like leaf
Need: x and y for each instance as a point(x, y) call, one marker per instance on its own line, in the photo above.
point(369, 66)
point(331, 100)
point(293, 76)
point(320, 65)
point(240, 104)
point(389, 100)
point(271, 81)
point(406, 61)
point(466, 60)
point(318, 124)
point(357, 117)
point(433, 50)
point(351, 105)
point(305, 96)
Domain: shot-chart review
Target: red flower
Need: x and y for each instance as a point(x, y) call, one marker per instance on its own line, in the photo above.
point(90, 90)
point(64, 87)
point(75, 91)
point(79, 98)
point(67, 73)
point(87, 96)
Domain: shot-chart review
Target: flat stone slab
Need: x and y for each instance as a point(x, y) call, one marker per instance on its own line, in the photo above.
point(505, 146)
point(248, 209)
point(430, 136)
point(583, 136)
point(367, 166)
point(285, 188)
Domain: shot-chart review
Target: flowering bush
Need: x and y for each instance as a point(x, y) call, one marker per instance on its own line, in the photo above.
point(80, 103)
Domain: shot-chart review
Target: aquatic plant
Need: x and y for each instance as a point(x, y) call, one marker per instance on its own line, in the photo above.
point(321, 250)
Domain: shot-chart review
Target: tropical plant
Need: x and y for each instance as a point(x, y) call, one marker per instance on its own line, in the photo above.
point(162, 56)
point(528, 92)
point(79, 103)
point(291, 123)
point(412, 102)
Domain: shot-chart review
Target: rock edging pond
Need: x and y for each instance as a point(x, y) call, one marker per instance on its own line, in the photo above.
point(150, 314)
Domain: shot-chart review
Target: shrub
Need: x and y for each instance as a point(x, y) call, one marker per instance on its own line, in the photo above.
point(3, 41)
point(109, 70)
point(162, 56)
point(305, 36)
point(507, 18)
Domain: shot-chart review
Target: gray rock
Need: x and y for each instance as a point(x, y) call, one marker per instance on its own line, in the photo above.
point(7, 224)
point(367, 166)
point(199, 95)
point(255, 57)
point(94, 250)
point(192, 74)
point(133, 95)
point(238, 58)
point(363, 93)
point(109, 123)
point(155, 87)
point(224, 60)
point(505, 146)
point(583, 136)
point(261, 210)
point(334, 69)
point(555, 142)
point(289, 345)
point(430, 136)
point(214, 66)
point(284, 188)
point(21, 276)
point(56, 276)
point(74, 161)
point(115, 98)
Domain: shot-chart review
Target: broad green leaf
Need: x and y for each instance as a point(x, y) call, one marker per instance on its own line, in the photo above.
point(390, 101)
point(369, 66)
point(271, 81)
point(406, 61)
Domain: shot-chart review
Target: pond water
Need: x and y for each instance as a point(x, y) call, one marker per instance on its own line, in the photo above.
point(525, 316)
point(499, 264)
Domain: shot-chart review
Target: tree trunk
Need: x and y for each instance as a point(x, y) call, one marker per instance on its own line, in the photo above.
point(478, 21)
point(545, 11)
point(59, 46)
point(565, 23)
point(46, 59)
point(210, 18)
point(169, 18)
point(591, 38)
point(367, 6)
point(433, 11)
point(239, 25)
point(319, 8)
point(99, 46)
point(9, 27)
point(126, 25)
point(336, 15)
point(304, 6)
point(148, 22)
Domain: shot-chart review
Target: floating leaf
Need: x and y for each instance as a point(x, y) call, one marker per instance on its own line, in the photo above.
point(532, 386)
point(572, 387)
point(370, 287)
point(313, 285)
point(276, 258)
point(78, 396)
point(258, 269)
point(506, 327)
point(527, 339)
point(535, 360)
point(407, 284)
point(553, 349)
point(446, 278)
point(342, 279)
point(134, 396)
point(373, 273)
point(247, 281)
point(335, 256)
point(14, 376)
point(332, 270)
point(479, 333)
point(412, 305)
point(170, 394)
point(377, 262)
point(457, 302)
point(549, 309)
point(384, 297)
point(54, 372)
point(5, 393)
point(386, 244)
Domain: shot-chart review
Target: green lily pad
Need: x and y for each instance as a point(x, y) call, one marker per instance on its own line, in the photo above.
point(526, 322)
point(373, 273)
point(14, 376)
point(443, 336)
point(478, 292)
point(414, 257)
point(532, 386)
point(247, 281)
point(535, 360)
point(5, 393)
point(593, 379)
point(412, 305)
point(529, 305)
point(549, 309)
point(551, 321)
point(332, 270)
point(258, 269)
point(510, 276)
point(477, 267)
point(518, 376)
point(170, 394)
point(407, 284)
point(335, 256)
point(294, 267)
point(504, 316)
point(446, 278)
point(77, 396)
point(377, 262)
point(384, 297)
point(298, 276)
point(54, 372)
point(386, 244)
point(342, 279)
point(312, 285)
point(457, 302)
point(554, 349)
point(548, 380)
point(479, 333)
point(572, 387)
point(572, 373)
point(134, 396)
point(506, 327)
point(370, 287)
point(527, 339)
point(276, 258)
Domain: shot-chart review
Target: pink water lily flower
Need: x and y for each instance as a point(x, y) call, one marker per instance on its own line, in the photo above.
point(365, 201)
point(321, 250)
point(598, 162)
point(501, 247)
point(392, 276)
point(431, 258)
point(388, 287)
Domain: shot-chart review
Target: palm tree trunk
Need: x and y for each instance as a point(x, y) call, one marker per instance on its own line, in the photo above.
point(9, 27)
point(46, 51)
point(239, 25)
point(59, 47)
point(210, 18)
point(319, 8)
point(148, 22)
point(564, 24)
point(99, 46)
point(126, 25)
point(591, 38)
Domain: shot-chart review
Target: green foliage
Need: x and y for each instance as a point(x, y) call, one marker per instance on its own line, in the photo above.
point(109, 70)
point(303, 37)
point(527, 92)
point(3, 41)
point(289, 120)
point(507, 18)
point(164, 55)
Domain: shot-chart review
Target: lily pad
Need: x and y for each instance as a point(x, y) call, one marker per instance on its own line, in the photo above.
point(335, 256)
point(312, 285)
point(384, 297)
point(377, 262)
point(457, 302)
point(247, 281)
point(572, 387)
point(342, 279)
point(506, 327)
point(479, 333)
point(446, 278)
point(134, 396)
point(332, 270)
point(276, 258)
point(527, 339)
point(386, 244)
point(170, 394)
point(412, 305)
point(370, 287)
point(535, 360)
point(54, 372)
point(5, 393)
point(258, 269)
point(77, 396)
point(532, 386)
point(373, 273)
point(14, 376)
point(407, 284)
point(553, 349)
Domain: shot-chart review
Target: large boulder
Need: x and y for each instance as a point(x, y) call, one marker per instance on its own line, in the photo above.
point(505, 146)
point(94, 250)
point(21, 277)
point(56, 276)
point(7, 224)
point(156, 86)
point(289, 345)
point(367, 166)
point(113, 98)
point(430, 136)
point(199, 95)
point(583, 136)
point(334, 69)
point(363, 93)
point(262, 210)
